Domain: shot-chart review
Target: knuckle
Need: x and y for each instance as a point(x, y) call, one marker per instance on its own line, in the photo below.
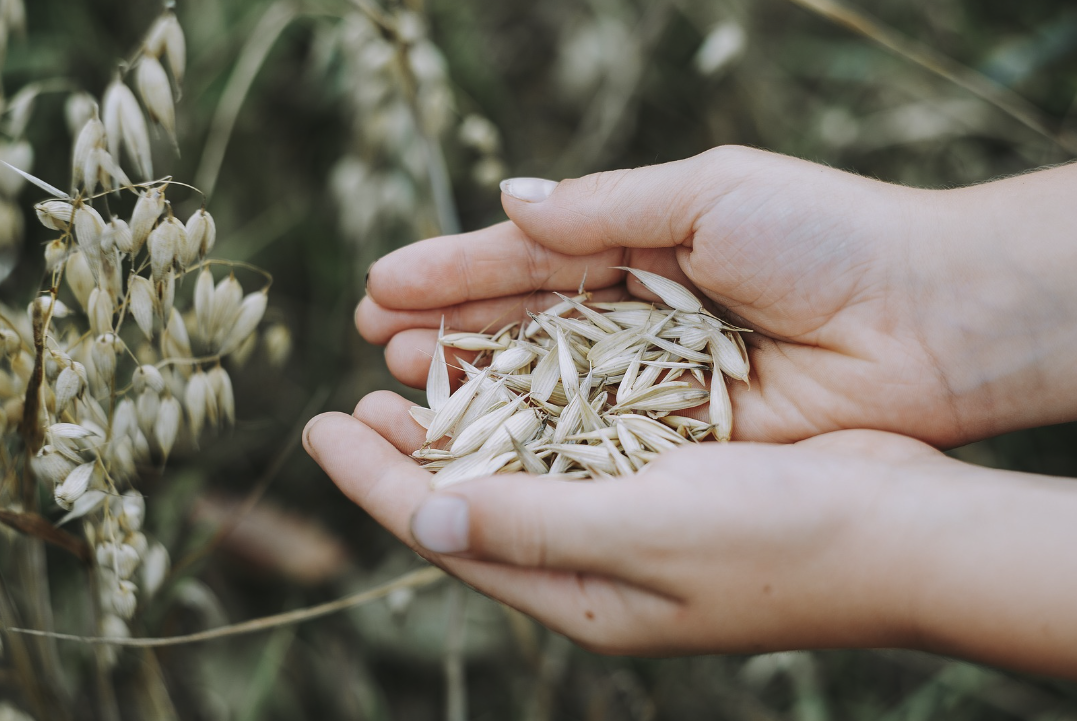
point(595, 186)
point(531, 543)
point(732, 154)
point(503, 527)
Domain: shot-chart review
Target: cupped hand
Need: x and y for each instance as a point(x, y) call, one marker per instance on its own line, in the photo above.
point(713, 548)
point(817, 261)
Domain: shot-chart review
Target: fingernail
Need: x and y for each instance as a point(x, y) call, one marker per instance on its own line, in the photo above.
point(366, 280)
point(308, 431)
point(531, 190)
point(441, 524)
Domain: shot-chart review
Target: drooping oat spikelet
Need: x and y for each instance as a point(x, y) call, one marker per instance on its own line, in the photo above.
point(166, 242)
point(68, 385)
point(166, 425)
point(278, 344)
point(100, 311)
point(92, 137)
point(198, 391)
point(55, 214)
point(150, 205)
point(147, 377)
point(165, 37)
point(89, 225)
point(50, 466)
point(201, 235)
point(221, 385)
point(250, 315)
point(118, 234)
point(143, 304)
point(74, 485)
point(125, 125)
point(155, 565)
point(156, 94)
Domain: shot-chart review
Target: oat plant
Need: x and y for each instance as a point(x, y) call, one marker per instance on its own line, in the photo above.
point(107, 373)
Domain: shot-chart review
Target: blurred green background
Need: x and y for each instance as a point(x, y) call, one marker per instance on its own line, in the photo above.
point(326, 169)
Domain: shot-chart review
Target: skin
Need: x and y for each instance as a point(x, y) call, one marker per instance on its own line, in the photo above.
point(943, 316)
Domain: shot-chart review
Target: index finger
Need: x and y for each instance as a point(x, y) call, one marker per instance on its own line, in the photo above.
point(488, 263)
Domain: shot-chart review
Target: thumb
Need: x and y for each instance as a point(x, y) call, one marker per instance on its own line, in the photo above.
point(534, 523)
point(651, 207)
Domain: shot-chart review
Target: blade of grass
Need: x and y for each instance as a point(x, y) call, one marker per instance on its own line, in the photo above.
point(263, 37)
point(945, 67)
point(266, 673)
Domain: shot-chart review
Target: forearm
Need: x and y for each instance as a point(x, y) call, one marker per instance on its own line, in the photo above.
point(998, 300)
point(984, 567)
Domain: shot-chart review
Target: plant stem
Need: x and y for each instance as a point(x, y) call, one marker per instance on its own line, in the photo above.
point(453, 664)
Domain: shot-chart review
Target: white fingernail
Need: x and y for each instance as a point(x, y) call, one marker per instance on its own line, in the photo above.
point(531, 190)
point(441, 524)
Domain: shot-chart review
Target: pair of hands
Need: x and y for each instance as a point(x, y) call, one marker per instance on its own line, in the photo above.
point(875, 307)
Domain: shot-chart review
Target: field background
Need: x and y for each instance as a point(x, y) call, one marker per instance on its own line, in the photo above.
point(320, 176)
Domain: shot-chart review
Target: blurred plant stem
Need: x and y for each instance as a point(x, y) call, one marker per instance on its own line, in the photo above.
point(152, 695)
point(551, 672)
point(31, 573)
point(317, 400)
point(930, 59)
point(448, 217)
point(455, 673)
point(106, 692)
point(264, 35)
point(266, 673)
point(18, 650)
point(609, 116)
point(39, 527)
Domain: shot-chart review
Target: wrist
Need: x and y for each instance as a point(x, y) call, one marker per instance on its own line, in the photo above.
point(991, 273)
point(982, 558)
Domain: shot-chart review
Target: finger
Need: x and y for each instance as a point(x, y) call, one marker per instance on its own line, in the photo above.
point(368, 469)
point(378, 324)
point(489, 263)
point(388, 414)
point(522, 520)
point(409, 353)
point(651, 207)
point(544, 523)
point(601, 613)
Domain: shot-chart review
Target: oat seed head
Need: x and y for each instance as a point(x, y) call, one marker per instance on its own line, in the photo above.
point(156, 94)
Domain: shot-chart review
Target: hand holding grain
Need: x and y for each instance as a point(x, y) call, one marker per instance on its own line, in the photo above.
point(853, 539)
point(875, 306)
point(944, 315)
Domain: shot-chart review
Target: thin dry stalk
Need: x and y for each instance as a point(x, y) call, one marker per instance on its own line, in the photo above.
point(415, 579)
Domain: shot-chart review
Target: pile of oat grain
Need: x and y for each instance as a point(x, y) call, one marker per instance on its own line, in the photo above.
point(585, 390)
